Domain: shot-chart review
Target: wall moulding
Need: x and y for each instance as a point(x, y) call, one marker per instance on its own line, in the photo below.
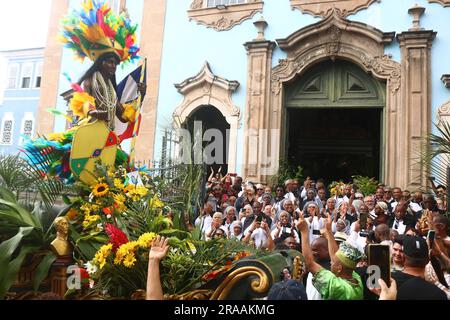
point(225, 17)
point(445, 3)
point(321, 8)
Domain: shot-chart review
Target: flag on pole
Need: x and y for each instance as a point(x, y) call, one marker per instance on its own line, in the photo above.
point(127, 92)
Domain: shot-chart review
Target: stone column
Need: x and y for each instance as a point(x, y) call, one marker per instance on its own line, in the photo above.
point(152, 35)
point(51, 69)
point(415, 118)
point(256, 146)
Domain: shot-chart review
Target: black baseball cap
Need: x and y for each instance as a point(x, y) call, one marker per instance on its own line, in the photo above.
point(287, 290)
point(415, 247)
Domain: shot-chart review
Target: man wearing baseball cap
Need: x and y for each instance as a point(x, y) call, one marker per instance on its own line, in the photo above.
point(411, 281)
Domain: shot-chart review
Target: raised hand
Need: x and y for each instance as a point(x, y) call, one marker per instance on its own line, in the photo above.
point(328, 222)
point(302, 225)
point(159, 248)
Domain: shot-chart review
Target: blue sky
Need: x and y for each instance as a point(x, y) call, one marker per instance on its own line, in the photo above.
point(23, 23)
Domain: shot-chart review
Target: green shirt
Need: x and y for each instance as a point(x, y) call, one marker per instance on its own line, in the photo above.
point(332, 287)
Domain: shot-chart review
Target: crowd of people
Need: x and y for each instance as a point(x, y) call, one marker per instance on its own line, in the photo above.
point(333, 231)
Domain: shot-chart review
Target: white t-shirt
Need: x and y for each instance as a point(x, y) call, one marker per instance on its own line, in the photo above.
point(206, 221)
point(399, 226)
point(315, 224)
point(311, 291)
point(258, 236)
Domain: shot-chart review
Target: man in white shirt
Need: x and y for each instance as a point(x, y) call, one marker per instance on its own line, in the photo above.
point(205, 220)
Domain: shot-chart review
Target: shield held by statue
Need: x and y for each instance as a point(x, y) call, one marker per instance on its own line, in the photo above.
point(92, 142)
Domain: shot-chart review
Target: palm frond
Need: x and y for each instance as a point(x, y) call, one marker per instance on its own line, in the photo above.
point(434, 156)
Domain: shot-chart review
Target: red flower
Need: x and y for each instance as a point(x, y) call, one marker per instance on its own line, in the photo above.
point(116, 236)
point(84, 276)
point(107, 210)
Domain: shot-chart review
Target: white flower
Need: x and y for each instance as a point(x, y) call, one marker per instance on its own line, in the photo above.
point(124, 214)
point(90, 268)
point(108, 216)
point(100, 226)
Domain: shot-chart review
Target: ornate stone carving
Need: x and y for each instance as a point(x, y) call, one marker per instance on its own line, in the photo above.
point(333, 46)
point(446, 80)
point(197, 4)
point(445, 3)
point(322, 8)
point(336, 37)
point(444, 110)
point(222, 19)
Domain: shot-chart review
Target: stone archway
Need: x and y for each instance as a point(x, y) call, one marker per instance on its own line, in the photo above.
point(207, 89)
point(337, 38)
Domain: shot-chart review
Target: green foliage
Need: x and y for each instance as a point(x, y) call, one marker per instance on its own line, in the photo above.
point(285, 172)
point(365, 185)
point(184, 268)
point(24, 179)
point(25, 221)
point(435, 151)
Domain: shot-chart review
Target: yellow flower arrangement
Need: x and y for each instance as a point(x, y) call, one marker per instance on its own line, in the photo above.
point(136, 192)
point(100, 189)
point(339, 188)
point(89, 220)
point(102, 254)
point(119, 202)
point(129, 261)
point(127, 249)
point(156, 203)
point(118, 184)
point(146, 240)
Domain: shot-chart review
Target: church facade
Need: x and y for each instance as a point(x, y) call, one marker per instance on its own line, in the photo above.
point(340, 87)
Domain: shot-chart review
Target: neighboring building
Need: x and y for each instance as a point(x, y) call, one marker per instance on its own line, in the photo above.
point(19, 92)
point(339, 87)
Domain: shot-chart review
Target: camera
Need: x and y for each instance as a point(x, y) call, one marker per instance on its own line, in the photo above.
point(286, 230)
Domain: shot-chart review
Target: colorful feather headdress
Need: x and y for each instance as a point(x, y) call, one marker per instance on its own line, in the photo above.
point(96, 30)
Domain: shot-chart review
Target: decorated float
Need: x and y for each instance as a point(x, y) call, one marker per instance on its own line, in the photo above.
point(78, 218)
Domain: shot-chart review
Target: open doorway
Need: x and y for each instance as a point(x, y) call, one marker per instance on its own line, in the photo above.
point(209, 117)
point(335, 144)
point(334, 122)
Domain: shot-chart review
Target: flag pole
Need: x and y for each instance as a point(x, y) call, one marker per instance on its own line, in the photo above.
point(136, 119)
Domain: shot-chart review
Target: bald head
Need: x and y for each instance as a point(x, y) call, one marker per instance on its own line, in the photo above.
point(382, 232)
point(319, 248)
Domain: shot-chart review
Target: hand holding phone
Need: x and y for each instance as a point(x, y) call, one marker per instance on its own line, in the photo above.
point(379, 255)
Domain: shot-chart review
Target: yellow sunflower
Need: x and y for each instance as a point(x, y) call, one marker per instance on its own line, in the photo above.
point(129, 261)
point(100, 189)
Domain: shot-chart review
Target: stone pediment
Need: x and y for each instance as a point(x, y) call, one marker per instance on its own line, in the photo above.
point(335, 31)
point(206, 78)
point(322, 8)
